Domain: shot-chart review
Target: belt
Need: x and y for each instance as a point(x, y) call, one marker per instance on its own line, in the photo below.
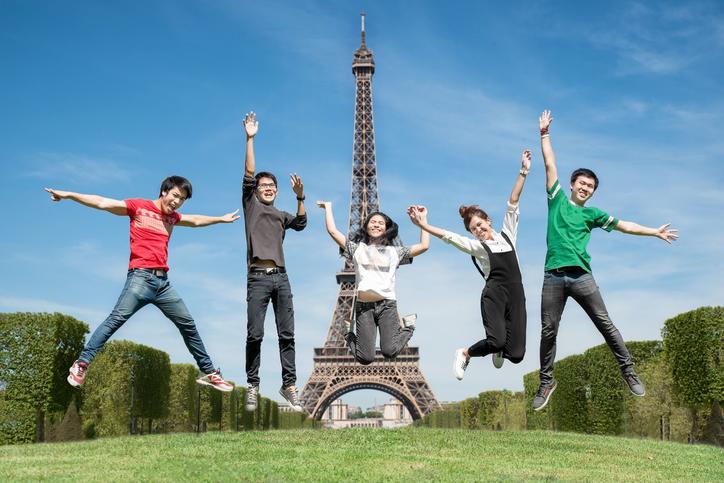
point(156, 271)
point(268, 271)
point(566, 269)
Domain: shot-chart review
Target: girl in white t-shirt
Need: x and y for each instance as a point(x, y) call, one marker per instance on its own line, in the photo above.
point(375, 260)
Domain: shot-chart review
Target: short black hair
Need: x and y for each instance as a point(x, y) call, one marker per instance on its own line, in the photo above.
point(587, 173)
point(176, 182)
point(265, 174)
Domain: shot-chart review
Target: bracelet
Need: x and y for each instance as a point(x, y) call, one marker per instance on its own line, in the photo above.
point(544, 131)
point(302, 198)
point(523, 172)
point(546, 135)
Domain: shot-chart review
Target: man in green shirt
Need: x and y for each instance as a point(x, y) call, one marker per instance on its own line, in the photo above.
point(568, 266)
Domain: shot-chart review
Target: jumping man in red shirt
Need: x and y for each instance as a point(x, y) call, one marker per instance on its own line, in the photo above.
point(147, 281)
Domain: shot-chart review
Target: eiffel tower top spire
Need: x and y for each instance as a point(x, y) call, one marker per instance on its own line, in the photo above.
point(363, 61)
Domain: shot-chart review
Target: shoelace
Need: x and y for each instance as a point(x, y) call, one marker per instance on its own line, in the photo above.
point(293, 392)
point(541, 391)
point(81, 370)
point(633, 378)
point(251, 394)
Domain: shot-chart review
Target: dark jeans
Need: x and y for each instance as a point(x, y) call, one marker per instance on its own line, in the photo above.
point(369, 316)
point(143, 288)
point(260, 289)
point(579, 284)
point(504, 318)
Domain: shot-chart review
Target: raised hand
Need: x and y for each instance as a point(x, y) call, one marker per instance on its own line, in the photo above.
point(56, 195)
point(525, 160)
point(297, 185)
point(230, 217)
point(251, 125)
point(417, 214)
point(666, 234)
point(324, 204)
point(545, 120)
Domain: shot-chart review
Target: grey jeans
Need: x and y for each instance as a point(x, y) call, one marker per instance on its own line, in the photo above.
point(369, 316)
point(579, 284)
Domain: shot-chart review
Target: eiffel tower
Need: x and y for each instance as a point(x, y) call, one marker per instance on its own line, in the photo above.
point(335, 371)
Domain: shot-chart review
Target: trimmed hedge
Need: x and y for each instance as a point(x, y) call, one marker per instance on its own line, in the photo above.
point(36, 350)
point(125, 383)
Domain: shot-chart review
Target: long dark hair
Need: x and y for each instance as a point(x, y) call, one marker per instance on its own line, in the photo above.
point(390, 234)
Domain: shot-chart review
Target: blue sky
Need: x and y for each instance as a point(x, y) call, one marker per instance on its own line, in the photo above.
point(109, 98)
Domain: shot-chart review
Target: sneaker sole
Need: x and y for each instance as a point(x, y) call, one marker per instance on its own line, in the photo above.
point(498, 363)
point(545, 403)
point(250, 408)
point(206, 383)
point(455, 368)
point(73, 382)
point(637, 395)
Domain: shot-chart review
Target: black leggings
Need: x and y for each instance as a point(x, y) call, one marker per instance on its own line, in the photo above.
point(504, 318)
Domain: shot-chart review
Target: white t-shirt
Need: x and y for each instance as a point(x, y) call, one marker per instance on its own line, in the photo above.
point(375, 267)
point(473, 246)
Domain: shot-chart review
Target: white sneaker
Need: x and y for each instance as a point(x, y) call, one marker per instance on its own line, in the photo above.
point(290, 394)
point(498, 360)
point(409, 320)
point(460, 364)
point(252, 392)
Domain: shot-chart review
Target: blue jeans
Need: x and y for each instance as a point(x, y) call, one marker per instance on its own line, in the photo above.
point(579, 284)
point(142, 288)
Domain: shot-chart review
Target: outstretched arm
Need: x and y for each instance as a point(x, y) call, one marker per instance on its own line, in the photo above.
point(298, 188)
point(197, 221)
point(467, 245)
point(419, 212)
point(663, 232)
point(251, 126)
point(117, 207)
point(336, 235)
point(549, 157)
point(419, 218)
point(520, 180)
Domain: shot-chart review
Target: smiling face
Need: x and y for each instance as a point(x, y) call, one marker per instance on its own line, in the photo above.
point(376, 226)
point(582, 189)
point(266, 190)
point(480, 228)
point(172, 200)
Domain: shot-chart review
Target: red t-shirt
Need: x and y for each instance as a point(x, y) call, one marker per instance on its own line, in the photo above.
point(150, 232)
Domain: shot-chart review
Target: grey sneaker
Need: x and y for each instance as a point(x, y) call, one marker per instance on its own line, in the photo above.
point(543, 395)
point(252, 393)
point(634, 384)
point(408, 321)
point(460, 364)
point(498, 360)
point(290, 394)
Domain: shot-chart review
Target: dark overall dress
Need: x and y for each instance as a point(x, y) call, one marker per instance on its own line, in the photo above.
point(502, 305)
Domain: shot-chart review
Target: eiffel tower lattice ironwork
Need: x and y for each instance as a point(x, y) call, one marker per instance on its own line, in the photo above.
point(335, 371)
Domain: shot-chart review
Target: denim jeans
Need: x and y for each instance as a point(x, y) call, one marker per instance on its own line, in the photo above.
point(579, 284)
point(142, 288)
point(260, 289)
point(369, 316)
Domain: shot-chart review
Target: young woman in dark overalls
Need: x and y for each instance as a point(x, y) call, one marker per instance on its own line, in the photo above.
point(503, 301)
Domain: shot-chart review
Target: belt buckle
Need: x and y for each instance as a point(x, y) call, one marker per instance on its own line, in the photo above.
point(271, 271)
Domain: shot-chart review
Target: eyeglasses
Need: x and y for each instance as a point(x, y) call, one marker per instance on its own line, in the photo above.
point(264, 186)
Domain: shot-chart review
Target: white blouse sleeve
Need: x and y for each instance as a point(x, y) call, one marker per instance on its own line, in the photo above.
point(510, 222)
point(470, 246)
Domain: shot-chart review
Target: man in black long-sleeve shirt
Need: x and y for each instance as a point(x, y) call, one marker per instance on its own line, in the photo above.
point(267, 276)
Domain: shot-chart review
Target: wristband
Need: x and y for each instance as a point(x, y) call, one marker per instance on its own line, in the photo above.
point(302, 198)
point(523, 172)
point(544, 131)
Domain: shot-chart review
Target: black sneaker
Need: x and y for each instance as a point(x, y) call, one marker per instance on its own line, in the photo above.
point(543, 395)
point(634, 384)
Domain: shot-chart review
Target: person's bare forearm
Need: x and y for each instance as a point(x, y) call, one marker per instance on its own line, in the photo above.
point(549, 159)
point(433, 230)
point(631, 228)
point(250, 162)
point(332, 227)
point(518, 187)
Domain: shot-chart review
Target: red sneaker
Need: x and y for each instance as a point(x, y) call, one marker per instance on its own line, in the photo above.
point(77, 373)
point(215, 380)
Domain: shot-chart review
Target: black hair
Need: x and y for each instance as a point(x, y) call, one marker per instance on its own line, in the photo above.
point(265, 174)
point(390, 234)
point(176, 182)
point(587, 173)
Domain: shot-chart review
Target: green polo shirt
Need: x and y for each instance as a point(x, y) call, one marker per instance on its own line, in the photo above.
point(569, 229)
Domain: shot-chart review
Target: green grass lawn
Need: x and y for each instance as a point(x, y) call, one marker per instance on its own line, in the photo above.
point(411, 454)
